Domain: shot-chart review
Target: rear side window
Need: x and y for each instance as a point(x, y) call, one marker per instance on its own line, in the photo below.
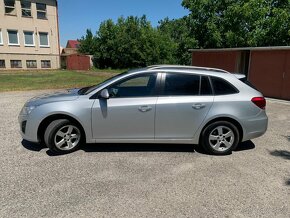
point(181, 84)
point(222, 87)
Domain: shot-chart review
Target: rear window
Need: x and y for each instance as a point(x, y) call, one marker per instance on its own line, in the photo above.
point(222, 87)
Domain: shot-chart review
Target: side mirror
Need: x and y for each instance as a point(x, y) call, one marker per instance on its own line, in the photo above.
point(104, 94)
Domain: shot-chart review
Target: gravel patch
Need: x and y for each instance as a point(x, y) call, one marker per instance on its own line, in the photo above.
point(144, 180)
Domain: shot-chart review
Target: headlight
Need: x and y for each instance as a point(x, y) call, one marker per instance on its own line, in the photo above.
point(27, 110)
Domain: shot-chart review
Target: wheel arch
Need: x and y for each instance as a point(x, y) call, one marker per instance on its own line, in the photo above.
point(46, 121)
point(224, 118)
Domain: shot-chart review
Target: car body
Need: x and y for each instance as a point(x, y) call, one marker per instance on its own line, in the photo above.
point(157, 104)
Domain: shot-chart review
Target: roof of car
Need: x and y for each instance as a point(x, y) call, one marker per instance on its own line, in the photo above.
point(184, 69)
point(187, 69)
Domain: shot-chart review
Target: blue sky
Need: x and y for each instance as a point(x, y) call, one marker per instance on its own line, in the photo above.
point(77, 16)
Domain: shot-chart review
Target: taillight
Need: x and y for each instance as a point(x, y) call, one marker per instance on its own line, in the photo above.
point(260, 102)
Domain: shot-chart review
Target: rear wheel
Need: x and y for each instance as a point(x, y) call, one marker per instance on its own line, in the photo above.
point(220, 138)
point(62, 136)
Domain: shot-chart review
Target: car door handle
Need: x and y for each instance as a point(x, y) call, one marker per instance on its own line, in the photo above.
point(145, 108)
point(198, 106)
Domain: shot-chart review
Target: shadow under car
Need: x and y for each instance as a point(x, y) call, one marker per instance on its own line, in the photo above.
point(126, 147)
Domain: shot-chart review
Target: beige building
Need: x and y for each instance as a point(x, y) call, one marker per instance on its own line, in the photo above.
point(29, 36)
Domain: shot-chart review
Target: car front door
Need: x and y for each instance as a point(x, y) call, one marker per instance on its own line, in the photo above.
point(182, 106)
point(129, 112)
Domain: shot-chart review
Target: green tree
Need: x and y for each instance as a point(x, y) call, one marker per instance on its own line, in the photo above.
point(131, 42)
point(105, 52)
point(179, 32)
point(235, 23)
point(87, 43)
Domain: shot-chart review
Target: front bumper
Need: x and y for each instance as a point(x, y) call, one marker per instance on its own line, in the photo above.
point(28, 130)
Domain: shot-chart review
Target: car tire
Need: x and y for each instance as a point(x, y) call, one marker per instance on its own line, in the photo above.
point(63, 136)
point(220, 138)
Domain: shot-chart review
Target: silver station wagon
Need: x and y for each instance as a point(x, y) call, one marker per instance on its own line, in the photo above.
point(157, 104)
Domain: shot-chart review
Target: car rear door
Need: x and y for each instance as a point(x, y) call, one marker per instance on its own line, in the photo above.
point(182, 106)
point(129, 113)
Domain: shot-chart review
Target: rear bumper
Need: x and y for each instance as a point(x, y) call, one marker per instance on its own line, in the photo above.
point(255, 127)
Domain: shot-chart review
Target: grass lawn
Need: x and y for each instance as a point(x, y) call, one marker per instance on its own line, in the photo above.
point(58, 79)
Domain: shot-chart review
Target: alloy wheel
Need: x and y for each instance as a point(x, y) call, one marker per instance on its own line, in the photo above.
point(221, 138)
point(67, 137)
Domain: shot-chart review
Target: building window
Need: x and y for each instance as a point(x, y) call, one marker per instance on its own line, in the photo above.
point(10, 7)
point(16, 64)
point(13, 38)
point(43, 40)
point(28, 38)
point(45, 64)
point(1, 38)
point(26, 8)
point(2, 63)
point(31, 64)
point(41, 10)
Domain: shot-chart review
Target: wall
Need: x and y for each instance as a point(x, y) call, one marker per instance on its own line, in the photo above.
point(226, 60)
point(78, 62)
point(270, 72)
point(267, 68)
point(19, 23)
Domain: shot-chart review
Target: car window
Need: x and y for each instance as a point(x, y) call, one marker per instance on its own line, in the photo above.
point(181, 84)
point(135, 86)
point(138, 81)
point(89, 89)
point(222, 87)
point(205, 88)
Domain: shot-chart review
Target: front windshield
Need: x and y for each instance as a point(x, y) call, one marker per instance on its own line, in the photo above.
point(89, 89)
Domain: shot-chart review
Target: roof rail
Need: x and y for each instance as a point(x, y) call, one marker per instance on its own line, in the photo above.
point(154, 67)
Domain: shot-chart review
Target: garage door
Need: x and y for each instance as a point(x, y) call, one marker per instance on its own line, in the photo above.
point(286, 78)
point(226, 60)
point(269, 72)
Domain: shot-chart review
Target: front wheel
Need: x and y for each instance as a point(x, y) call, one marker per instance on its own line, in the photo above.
point(220, 138)
point(62, 136)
